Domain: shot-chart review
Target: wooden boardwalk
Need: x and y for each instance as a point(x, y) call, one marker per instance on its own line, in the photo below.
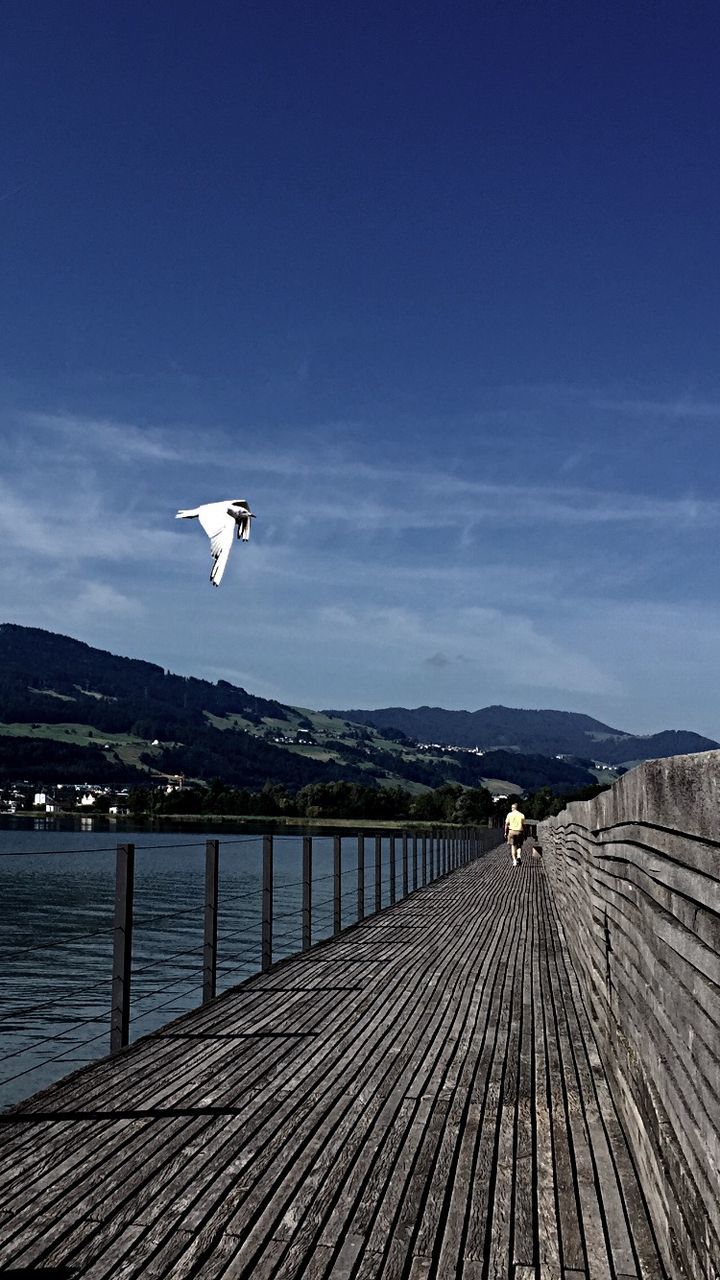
point(421, 1098)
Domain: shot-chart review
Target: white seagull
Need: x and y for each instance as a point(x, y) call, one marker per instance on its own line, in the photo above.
point(220, 520)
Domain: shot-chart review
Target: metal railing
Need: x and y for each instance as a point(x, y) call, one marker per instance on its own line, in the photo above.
point(423, 858)
point(339, 878)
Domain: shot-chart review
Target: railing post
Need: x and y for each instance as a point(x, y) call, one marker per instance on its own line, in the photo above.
point(361, 877)
point(307, 894)
point(267, 904)
point(378, 873)
point(212, 851)
point(415, 860)
point(122, 946)
point(405, 864)
point(392, 851)
point(424, 858)
point(432, 856)
point(337, 884)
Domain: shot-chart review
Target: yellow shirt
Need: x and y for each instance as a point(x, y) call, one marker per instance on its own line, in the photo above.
point(515, 820)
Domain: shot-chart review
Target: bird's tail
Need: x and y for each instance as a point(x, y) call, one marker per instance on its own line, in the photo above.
point(184, 515)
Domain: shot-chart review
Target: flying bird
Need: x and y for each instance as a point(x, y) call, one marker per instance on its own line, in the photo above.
point(220, 520)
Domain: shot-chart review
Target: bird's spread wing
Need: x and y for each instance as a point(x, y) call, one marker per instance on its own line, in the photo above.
point(219, 527)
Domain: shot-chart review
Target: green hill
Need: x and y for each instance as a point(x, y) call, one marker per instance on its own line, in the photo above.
point(70, 712)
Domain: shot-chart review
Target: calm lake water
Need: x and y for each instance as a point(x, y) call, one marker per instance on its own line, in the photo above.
point(56, 913)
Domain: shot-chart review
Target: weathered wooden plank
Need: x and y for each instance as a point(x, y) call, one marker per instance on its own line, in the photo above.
point(422, 1268)
point(504, 1173)
point(407, 1122)
point(443, 1086)
point(588, 1067)
point(604, 1221)
point(98, 1160)
point(487, 1087)
point(545, 1172)
point(378, 1160)
point(567, 1205)
point(468, 1114)
point(524, 1249)
point(311, 1149)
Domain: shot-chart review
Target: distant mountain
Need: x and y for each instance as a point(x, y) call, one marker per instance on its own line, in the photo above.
point(548, 733)
point(70, 712)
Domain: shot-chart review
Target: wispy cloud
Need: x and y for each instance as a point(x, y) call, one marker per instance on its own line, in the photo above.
point(366, 581)
point(449, 502)
point(99, 598)
point(123, 440)
point(506, 644)
point(78, 527)
point(438, 660)
point(442, 660)
point(681, 409)
point(307, 486)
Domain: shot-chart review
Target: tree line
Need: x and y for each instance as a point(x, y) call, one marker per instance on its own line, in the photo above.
point(447, 803)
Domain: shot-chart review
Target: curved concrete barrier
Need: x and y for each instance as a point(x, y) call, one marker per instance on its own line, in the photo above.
point(636, 877)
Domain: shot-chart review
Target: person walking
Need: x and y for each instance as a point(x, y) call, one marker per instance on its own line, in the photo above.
point(514, 832)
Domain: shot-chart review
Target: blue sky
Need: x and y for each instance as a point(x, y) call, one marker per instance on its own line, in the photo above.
point(434, 286)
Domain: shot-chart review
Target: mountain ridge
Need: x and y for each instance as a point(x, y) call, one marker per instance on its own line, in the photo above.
point(70, 710)
point(543, 731)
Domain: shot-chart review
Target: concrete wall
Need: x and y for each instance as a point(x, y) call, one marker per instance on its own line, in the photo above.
point(636, 877)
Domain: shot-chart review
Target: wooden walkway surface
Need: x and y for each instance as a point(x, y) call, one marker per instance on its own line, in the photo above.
point(421, 1098)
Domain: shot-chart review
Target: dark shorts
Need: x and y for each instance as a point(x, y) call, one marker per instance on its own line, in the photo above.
point(516, 838)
